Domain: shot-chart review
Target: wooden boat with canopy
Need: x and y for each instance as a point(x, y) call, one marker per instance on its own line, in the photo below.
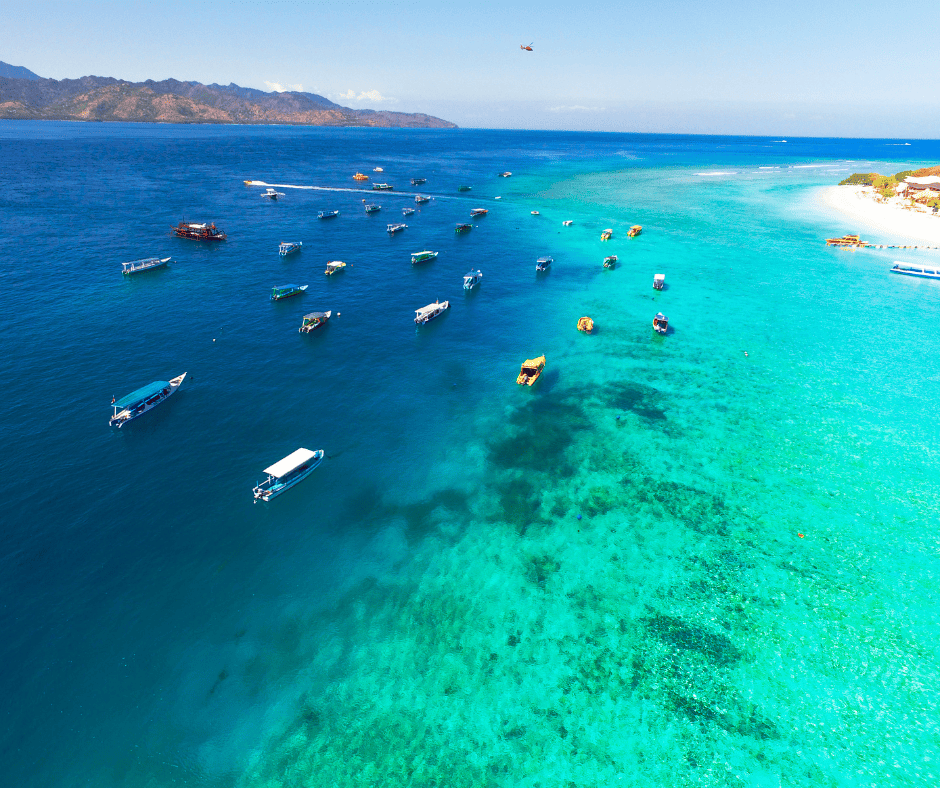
point(846, 242)
point(635, 231)
point(289, 247)
point(585, 324)
point(313, 321)
point(284, 474)
point(286, 291)
point(148, 263)
point(429, 312)
point(360, 177)
point(531, 369)
point(137, 403)
point(333, 266)
point(607, 234)
point(199, 232)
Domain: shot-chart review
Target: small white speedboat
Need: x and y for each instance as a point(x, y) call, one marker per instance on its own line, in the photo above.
point(472, 279)
point(271, 194)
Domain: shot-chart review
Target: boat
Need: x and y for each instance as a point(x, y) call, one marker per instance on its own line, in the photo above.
point(422, 257)
point(567, 223)
point(373, 208)
point(479, 212)
point(543, 263)
point(659, 281)
point(327, 214)
point(418, 181)
point(846, 241)
point(407, 211)
point(429, 312)
point(611, 261)
point(137, 403)
point(505, 174)
point(249, 183)
point(585, 324)
point(271, 194)
point(928, 271)
point(531, 369)
point(313, 321)
point(360, 177)
point(660, 323)
point(286, 291)
point(421, 200)
point(382, 187)
point(464, 188)
point(396, 228)
point(333, 266)
point(284, 474)
point(634, 231)
point(136, 266)
point(378, 169)
point(199, 232)
point(534, 213)
point(289, 247)
point(462, 228)
point(472, 279)
point(607, 234)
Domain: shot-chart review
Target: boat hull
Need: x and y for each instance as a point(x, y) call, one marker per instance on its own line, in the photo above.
point(129, 414)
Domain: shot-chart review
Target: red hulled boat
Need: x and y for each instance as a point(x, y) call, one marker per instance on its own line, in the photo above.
point(199, 232)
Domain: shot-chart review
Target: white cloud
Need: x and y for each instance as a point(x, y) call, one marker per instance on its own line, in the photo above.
point(372, 96)
point(277, 87)
point(577, 108)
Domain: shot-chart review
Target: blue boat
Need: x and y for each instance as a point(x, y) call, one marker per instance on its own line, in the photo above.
point(327, 214)
point(289, 247)
point(543, 263)
point(136, 266)
point(284, 474)
point(137, 403)
point(373, 208)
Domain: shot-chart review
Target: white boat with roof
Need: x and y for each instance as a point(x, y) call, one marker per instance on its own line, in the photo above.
point(289, 247)
point(137, 403)
point(543, 263)
point(396, 228)
point(271, 194)
point(284, 474)
point(429, 312)
point(472, 279)
point(421, 199)
point(314, 320)
point(909, 269)
point(286, 291)
point(136, 266)
point(407, 211)
point(659, 281)
point(333, 266)
point(422, 257)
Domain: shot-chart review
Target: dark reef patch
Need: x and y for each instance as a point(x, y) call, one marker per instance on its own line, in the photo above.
point(715, 647)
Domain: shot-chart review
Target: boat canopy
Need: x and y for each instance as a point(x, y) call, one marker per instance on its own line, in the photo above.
point(279, 288)
point(290, 463)
point(315, 315)
point(141, 394)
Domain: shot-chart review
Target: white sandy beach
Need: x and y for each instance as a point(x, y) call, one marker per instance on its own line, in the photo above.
point(893, 221)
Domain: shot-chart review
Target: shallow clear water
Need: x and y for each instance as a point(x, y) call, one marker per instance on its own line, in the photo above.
point(601, 580)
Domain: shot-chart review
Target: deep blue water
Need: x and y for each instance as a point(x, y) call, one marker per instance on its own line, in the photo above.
point(596, 579)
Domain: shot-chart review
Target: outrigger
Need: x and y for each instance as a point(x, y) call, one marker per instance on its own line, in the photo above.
point(137, 403)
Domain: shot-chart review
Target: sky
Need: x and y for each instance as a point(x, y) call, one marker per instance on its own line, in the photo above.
point(823, 68)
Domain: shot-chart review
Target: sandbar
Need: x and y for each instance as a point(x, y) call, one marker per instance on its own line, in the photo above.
point(892, 221)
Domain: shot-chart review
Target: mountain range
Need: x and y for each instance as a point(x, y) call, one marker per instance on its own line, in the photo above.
point(26, 96)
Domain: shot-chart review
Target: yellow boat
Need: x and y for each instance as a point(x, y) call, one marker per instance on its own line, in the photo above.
point(846, 240)
point(333, 266)
point(635, 231)
point(585, 324)
point(531, 369)
point(606, 235)
point(360, 177)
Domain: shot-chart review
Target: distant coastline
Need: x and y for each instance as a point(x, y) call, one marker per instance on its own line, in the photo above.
point(105, 99)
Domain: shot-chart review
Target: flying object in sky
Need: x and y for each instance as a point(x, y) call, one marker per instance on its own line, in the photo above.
point(526, 48)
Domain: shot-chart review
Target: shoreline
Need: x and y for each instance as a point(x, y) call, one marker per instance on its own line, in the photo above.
point(891, 220)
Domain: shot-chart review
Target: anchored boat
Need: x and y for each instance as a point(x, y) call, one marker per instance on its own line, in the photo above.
point(137, 403)
point(313, 321)
point(373, 208)
point(543, 263)
point(659, 281)
point(505, 174)
point(333, 266)
point(634, 231)
point(422, 257)
point(284, 474)
point(418, 181)
point(421, 199)
point(479, 212)
point(567, 223)
point(286, 291)
point(271, 194)
point(462, 228)
point(396, 228)
point(531, 369)
point(382, 187)
point(360, 177)
point(928, 271)
point(289, 247)
point(846, 242)
point(660, 323)
point(429, 312)
point(136, 266)
point(472, 279)
point(585, 324)
point(464, 188)
point(199, 232)
point(611, 261)
point(407, 211)
point(607, 234)
point(327, 214)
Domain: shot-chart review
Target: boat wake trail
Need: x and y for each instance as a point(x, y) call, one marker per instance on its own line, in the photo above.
point(337, 189)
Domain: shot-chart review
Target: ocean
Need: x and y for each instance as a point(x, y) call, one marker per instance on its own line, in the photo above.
point(702, 559)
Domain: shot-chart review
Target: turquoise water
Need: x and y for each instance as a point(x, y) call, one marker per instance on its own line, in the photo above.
point(669, 563)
